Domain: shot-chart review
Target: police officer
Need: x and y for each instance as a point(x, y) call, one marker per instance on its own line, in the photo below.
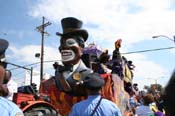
point(8, 108)
point(95, 105)
point(3, 46)
point(9, 86)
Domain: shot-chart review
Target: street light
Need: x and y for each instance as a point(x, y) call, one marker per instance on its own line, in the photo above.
point(157, 36)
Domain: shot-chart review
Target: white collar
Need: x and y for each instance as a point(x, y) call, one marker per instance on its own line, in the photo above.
point(66, 74)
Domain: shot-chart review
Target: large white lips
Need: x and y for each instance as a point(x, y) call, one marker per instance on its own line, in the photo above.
point(67, 55)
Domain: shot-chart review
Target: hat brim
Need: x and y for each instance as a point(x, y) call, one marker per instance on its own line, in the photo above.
point(79, 32)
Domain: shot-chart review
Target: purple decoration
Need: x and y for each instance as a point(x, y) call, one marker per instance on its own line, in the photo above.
point(92, 49)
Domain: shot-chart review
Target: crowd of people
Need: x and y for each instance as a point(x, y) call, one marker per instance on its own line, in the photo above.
point(77, 79)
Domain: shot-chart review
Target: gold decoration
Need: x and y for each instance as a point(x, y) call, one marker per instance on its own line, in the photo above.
point(76, 76)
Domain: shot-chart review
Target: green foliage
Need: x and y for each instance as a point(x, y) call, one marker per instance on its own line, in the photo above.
point(154, 88)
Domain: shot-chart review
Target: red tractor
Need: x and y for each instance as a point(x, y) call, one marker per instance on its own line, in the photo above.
point(33, 104)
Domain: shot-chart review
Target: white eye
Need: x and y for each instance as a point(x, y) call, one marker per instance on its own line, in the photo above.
point(70, 42)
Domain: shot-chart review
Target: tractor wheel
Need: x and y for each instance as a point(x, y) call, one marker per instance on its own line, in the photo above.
point(41, 111)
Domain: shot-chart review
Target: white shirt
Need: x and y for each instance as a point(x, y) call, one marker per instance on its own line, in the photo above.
point(144, 111)
point(12, 87)
point(66, 74)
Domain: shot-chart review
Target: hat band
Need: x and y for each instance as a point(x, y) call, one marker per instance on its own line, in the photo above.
point(69, 30)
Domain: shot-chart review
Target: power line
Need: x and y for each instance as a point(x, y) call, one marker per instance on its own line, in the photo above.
point(149, 50)
point(133, 52)
point(34, 64)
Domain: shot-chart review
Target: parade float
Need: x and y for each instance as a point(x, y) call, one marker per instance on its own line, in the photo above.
point(51, 101)
point(58, 94)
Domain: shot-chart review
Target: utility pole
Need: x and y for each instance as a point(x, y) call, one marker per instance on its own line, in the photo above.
point(156, 86)
point(41, 30)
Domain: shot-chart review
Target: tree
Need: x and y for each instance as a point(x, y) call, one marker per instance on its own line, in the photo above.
point(154, 88)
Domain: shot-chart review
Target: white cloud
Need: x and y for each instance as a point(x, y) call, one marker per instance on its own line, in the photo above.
point(26, 55)
point(113, 18)
point(146, 71)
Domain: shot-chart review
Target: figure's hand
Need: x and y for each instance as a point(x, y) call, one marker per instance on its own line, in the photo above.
point(61, 68)
point(118, 43)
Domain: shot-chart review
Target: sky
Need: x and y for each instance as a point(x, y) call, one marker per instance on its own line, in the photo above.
point(134, 21)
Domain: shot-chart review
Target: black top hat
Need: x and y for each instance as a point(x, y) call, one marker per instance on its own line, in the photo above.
point(72, 26)
point(93, 81)
point(3, 46)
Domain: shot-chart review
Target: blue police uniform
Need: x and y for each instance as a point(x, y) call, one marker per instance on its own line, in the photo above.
point(85, 107)
point(8, 108)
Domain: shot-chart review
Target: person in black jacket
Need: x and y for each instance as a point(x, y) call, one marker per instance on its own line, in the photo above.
point(169, 96)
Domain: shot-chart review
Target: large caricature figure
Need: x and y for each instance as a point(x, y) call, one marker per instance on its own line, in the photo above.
point(65, 88)
point(69, 75)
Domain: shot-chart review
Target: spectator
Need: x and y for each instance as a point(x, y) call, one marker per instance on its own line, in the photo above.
point(10, 85)
point(130, 89)
point(94, 105)
point(140, 96)
point(144, 110)
point(159, 102)
point(169, 96)
point(8, 108)
point(159, 113)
